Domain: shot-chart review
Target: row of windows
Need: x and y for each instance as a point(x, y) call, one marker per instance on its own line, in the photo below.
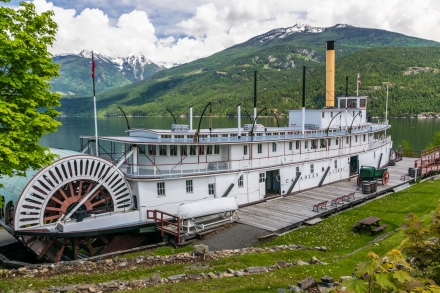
point(162, 150)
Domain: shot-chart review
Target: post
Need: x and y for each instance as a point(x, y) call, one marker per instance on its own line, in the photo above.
point(255, 96)
point(239, 119)
point(304, 101)
point(386, 113)
point(94, 105)
point(191, 118)
point(357, 84)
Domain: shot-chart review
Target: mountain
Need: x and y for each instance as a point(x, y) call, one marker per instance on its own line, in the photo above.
point(226, 78)
point(75, 71)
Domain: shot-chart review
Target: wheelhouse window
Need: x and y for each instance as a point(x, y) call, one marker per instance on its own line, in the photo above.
point(216, 149)
point(211, 188)
point(162, 150)
point(173, 150)
point(342, 103)
point(262, 177)
point(312, 168)
point(260, 148)
point(245, 150)
point(189, 186)
point(240, 181)
point(352, 103)
point(274, 147)
point(363, 102)
point(161, 188)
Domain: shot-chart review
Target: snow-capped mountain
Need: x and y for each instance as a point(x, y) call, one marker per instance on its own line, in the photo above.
point(110, 72)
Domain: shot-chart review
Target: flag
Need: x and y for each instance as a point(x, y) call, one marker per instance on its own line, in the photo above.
point(359, 79)
point(93, 66)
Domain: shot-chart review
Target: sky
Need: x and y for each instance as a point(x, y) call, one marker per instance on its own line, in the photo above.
point(178, 31)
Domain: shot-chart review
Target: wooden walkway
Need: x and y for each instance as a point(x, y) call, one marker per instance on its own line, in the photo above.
point(285, 213)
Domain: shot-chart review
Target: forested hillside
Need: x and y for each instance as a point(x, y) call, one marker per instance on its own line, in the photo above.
point(226, 78)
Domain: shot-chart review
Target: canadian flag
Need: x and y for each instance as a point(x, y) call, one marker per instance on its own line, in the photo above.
point(93, 66)
point(359, 79)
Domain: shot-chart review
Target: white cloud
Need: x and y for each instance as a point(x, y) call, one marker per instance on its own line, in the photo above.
point(220, 24)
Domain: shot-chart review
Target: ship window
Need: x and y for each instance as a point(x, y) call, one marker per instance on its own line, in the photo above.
point(297, 144)
point(364, 137)
point(152, 150)
point(353, 113)
point(173, 150)
point(211, 188)
point(337, 141)
point(165, 136)
point(329, 142)
point(192, 150)
point(314, 144)
point(189, 186)
point(322, 143)
point(240, 181)
point(312, 168)
point(297, 170)
point(274, 147)
point(161, 188)
point(355, 138)
point(179, 136)
point(245, 150)
point(260, 134)
point(190, 136)
point(282, 133)
point(234, 134)
point(183, 150)
point(363, 102)
point(201, 150)
point(306, 144)
point(225, 135)
point(260, 148)
point(323, 114)
point(268, 133)
point(336, 164)
point(331, 114)
point(275, 133)
point(209, 149)
point(213, 135)
point(162, 150)
point(352, 103)
point(262, 177)
point(347, 139)
point(216, 149)
point(243, 134)
point(343, 103)
point(290, 145)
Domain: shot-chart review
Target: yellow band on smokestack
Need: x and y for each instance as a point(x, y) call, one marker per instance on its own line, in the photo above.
point(330, 75)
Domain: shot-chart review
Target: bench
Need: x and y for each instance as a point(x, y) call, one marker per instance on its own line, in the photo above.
point(322, 205)
point(404, 177)
point(348, 196)
point(356, 225)
point(377, 229)
point(338, 200)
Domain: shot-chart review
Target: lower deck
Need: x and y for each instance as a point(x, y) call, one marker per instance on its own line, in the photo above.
point(284, 213)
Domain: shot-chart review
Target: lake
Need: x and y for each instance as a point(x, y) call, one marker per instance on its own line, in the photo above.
point(419, 132)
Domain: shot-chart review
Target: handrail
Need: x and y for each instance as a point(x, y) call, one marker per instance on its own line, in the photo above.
point(163, 221)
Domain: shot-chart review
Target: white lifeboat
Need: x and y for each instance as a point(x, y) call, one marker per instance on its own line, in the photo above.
point(207, 207)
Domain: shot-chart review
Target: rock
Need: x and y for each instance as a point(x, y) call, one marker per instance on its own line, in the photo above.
point(326, 285)
point(22, 271)
point(67, 289)
point(313, 260)
point(230, 271)
point(176, 277)
point(327, 279)
point(323, 248)
point(344, 278)
point(122, 264)
point(212, 275)
point(239, 274)
point(282, 264)
point(84, 287)
point(136, 284)
point(195, 276)
point(281, 290)
point(224, 275)
point(155, 279)
point(294, 289)
point(111, 285)
point(302, 263)
point(256, 270)
point(307, 283)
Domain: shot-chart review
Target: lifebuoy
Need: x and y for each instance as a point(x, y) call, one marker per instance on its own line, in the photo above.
point(283, 160)
point(277, 177)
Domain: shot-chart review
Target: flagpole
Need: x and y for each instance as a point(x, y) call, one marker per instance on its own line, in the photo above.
point(94, 105)
point(386, 112)
point(357, 85)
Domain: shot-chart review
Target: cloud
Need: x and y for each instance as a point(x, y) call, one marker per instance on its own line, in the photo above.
point(170, 32)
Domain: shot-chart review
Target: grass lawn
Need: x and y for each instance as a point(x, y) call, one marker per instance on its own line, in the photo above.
point(345, 247)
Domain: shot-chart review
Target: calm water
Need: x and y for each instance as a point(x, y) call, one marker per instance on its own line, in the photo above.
point(419, 132)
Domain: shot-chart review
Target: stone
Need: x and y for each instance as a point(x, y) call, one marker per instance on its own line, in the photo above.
point(344, 278)
point(281, 290)
point(176, 277)
point(224, 275)
point(122, 264)
point(327, 279)
point(195, 276)
point(326, 285)
point(307, 283)
point(22, 271)
point(85, 286)
point(313, 260)
point(155, 279)
point(282, 264)
point(239, 274)
point(302, 263)
point(256, 270)
point(294, 289)
point(111, 285)
point(212, 275)
point(230, 271)
point(67, 289)
point(136, 284)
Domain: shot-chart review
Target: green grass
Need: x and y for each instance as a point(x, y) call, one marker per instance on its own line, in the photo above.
point(335, 233)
